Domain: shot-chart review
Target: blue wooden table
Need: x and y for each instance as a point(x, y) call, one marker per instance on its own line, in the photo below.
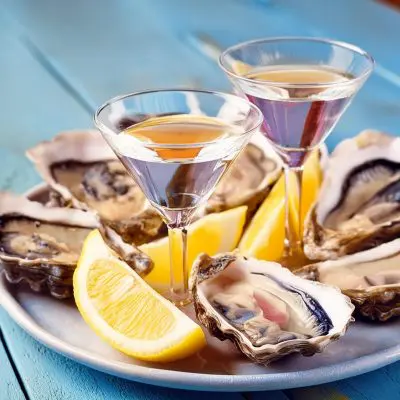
point(61, 59)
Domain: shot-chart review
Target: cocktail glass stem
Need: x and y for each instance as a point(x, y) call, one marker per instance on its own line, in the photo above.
point(302, 86)
point(293, 249)
point(177, 144)
point(179, 275)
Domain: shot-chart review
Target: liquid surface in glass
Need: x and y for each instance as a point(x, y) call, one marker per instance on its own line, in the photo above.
point(297, 119)
point(177, 178)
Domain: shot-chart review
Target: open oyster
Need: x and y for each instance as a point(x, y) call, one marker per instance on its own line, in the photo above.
point(358, 205)
point(84, 171)
point(370, 278)
point(41, 245)
point(266, 310)
point(249, 180)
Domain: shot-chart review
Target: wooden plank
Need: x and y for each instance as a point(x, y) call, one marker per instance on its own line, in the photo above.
point(9, 385)
point(33, 108)
point(376, 29)
point(115, 47)
point(381, 384)
point(378, 103)
point(267, 396)
point(323, 392)
point(107, 50)
point(50, 376)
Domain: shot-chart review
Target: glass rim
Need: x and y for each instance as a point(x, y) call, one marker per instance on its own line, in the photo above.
point(338, 43)
point(104, 128)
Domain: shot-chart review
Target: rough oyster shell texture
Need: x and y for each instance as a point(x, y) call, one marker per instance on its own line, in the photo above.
point(84, 171)
point(370, 278)
point(357, 208)
point(249, 180)
point(41, 245)
point(265, 310)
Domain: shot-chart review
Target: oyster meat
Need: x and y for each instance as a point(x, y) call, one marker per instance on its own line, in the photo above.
point(358, 205)
point(84, 171)
point(41, 245)
point(264, 309)
point(370, 278)
point(249, 179)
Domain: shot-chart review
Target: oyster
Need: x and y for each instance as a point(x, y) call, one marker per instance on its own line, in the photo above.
point(249, 180)
point(41, 245)
point(264, 309)
point(358, 205)
point(370, 278)
point(85, 172)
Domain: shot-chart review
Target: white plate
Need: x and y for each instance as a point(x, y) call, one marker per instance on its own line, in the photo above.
point(59, 326)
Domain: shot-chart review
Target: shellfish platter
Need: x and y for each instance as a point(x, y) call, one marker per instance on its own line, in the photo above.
point(84, 258)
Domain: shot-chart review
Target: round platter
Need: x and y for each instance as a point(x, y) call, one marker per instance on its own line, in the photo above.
point(219, 367)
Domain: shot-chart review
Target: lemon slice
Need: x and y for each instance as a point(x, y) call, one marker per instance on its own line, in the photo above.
point(265, 234)
point(126, 312)
point(212, 234)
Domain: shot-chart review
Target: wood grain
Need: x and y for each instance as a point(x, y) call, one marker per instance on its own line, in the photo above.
point(33, 109)
point(130, 56)
point(9, 385)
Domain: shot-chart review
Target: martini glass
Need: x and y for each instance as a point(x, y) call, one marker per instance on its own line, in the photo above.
point(177, 144)
point(302, 86)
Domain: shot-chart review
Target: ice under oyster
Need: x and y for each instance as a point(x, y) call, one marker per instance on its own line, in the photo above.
point(358, 205)
point(266, 310)
point(370, 278)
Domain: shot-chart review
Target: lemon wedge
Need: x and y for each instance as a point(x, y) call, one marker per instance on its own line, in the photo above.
point(263, 239)
point(212, 234)
point(312, 180)
point(126, 312)
point(265, 234)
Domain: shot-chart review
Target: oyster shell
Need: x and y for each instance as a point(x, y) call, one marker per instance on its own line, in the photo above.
point(358, 205)
point(84, 171)
point(370, 278)
point(249, 179)
point(265, 310)
point(41, 245)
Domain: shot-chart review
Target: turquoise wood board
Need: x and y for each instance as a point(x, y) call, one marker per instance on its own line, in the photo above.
point(114, 53)
point(63, 59)
point(9, 385)
point(34, 108)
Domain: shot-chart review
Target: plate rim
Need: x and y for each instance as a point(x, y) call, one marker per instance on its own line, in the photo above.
point(191, 380)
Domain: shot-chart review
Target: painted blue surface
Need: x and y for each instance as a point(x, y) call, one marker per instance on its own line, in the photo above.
point(9, 385)
point(61, 59)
